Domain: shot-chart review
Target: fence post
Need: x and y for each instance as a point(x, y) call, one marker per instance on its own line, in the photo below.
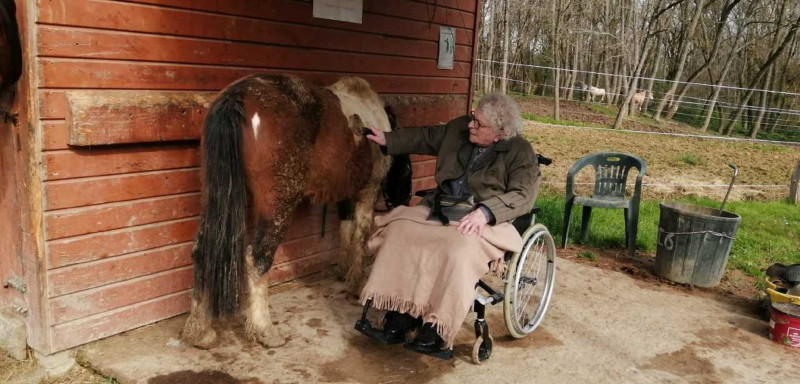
point(794, 186)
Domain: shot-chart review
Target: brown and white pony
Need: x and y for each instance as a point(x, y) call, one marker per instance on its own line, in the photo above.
point(269, 142)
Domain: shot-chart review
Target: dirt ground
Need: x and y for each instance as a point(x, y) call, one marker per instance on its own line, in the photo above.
point(605, 325)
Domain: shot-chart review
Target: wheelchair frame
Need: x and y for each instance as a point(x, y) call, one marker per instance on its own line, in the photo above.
point(517, 290)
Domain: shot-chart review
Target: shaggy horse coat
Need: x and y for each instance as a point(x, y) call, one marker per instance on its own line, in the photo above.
point(269, 142)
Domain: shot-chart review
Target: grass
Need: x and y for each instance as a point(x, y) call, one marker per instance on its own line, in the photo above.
point(604, 109)
point(588, 255)
point(26, 371)
point(550, 120)
point(690, 158)
point(769, 232)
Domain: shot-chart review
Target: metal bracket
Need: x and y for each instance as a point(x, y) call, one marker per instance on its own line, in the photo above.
point(16, 283)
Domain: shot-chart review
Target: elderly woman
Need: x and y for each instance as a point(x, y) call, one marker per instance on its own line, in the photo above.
point(430, 257)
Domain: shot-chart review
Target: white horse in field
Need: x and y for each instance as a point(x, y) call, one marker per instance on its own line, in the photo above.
point(594, 92)
point(639, 98)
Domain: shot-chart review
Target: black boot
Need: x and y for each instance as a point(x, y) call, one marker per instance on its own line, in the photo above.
point(397, 324)
point(427, 340)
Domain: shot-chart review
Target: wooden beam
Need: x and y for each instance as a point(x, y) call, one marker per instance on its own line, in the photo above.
point(122, 117)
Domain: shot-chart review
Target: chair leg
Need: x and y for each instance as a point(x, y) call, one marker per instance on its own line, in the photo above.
point(627, 226)
point(587, 217)
point(567, 217)
point(634, 225)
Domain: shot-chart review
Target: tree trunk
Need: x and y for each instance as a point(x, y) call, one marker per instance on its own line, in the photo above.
point(726, 11)
point(764, 98)
point(574, 74)
point(489, 79)
point(556, 17)
point(623, 109)
point(504, 79)
point(684, 54)
point(774, 56)
point(717, 88)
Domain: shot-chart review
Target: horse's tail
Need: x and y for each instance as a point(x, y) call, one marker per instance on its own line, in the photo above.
point(219, 256)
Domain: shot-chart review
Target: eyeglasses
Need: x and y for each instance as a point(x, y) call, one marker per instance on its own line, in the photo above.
point(472, 118)
point(478, 124)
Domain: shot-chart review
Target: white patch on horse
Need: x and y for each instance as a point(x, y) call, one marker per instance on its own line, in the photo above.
point(256, 121)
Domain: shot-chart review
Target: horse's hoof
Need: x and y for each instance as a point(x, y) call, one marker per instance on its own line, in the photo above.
point(272, 338)
point(207, 341)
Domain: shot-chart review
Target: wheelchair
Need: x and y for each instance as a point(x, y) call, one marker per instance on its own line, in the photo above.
point(528, 287)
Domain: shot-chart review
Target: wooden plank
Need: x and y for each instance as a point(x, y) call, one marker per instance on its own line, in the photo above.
point(106, 217)
point(294, 269)
point(419, 110)
point(469, 6)
point(94, 44)
point(52, 104)
point(91, 328)
point(86, 303)
point(122, 117)
point(423, 169)
point(305, 247)
point(430, 13)
point(72, 193)
point(103, 245)
point(96, 274)
point(452, 13)
point(423, 183)
point(412, 110)
point(55, 135)
point(135, 17)
point(304, 226)
point(76, 163)
point(68, 73)
point(100, 14)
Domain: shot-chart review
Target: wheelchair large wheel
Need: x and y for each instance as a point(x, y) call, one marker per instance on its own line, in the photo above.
point(529, 282)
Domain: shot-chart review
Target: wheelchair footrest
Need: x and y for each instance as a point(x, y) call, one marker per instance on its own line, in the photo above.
point(444, 354)
point(365, 327)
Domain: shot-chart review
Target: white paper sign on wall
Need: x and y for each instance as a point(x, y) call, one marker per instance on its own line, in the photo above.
point(342, 10)
point(447, 47)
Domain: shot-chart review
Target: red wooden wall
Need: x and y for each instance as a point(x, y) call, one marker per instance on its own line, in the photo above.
point(118, 220)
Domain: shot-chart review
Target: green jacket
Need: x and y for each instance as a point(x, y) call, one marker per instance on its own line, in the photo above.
point(506, 181)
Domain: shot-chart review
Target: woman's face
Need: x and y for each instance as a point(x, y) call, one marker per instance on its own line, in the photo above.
point(480, 132)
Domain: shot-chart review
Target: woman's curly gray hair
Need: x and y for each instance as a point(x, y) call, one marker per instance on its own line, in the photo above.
point(502, 113)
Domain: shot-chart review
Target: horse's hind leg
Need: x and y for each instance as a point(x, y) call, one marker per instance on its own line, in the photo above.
point(354, 234)
point(259, 325)
point(197, 329)
point(268, 235)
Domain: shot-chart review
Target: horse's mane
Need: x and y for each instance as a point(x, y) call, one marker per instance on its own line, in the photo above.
point(11, 70)
point(356, 86)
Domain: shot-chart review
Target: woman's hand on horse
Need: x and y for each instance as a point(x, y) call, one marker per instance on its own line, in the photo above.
point(473, 223)
point(377, 136)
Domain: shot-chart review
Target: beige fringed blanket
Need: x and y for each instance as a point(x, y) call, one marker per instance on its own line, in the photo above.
point(426, 269)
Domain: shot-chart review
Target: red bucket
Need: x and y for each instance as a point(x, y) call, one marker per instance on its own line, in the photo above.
point(785, 324)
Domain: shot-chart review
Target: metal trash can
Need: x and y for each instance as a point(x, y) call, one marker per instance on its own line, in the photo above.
point(694, 243)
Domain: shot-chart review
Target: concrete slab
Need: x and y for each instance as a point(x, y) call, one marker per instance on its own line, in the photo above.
point(602, 327)
point(13, 333)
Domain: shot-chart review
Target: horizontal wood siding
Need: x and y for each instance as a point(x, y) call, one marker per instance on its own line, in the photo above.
point(121, 179)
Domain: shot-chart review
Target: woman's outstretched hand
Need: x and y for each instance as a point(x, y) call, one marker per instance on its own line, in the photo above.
point(473, 223)
point(377, 136)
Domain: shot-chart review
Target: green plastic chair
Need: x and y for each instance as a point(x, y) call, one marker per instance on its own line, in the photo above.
point(611, 173)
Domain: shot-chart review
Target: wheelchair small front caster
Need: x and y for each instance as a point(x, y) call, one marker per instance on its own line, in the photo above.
point(482, 349)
